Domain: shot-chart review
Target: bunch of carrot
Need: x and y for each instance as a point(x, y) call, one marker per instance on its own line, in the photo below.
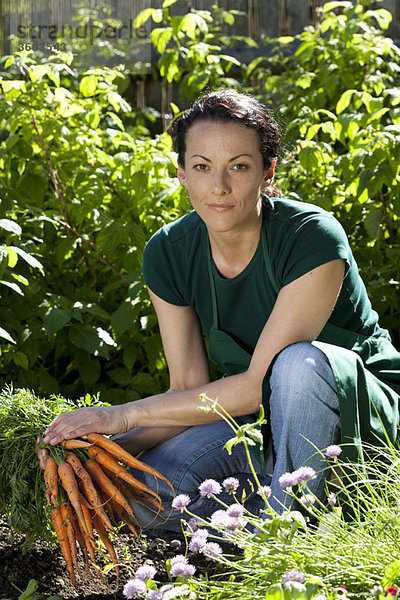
point(88, 488)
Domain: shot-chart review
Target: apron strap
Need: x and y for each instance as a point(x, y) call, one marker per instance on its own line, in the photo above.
point(267, 262)
point(212, 285)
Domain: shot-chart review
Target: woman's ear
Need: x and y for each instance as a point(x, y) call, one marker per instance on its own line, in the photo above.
point(269, 174)
point(181, 175)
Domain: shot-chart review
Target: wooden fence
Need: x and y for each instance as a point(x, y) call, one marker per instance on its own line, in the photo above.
point(259, 19)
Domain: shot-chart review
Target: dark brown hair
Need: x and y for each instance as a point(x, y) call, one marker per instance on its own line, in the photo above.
point(225, 106)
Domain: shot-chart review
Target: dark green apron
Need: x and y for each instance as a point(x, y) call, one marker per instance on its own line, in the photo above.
point(366, 371)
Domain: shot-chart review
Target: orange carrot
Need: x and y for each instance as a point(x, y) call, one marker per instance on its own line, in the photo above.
point(134, 494)
point(73, 444)
point(89, 489)
point(51, 479)
point(106, 485)
point(66, 510)
point(124, 456)
point(62, 538)
point(106, 460)
point(125, 518)
point(80, 539)
point(67, 478)
point(97, 522)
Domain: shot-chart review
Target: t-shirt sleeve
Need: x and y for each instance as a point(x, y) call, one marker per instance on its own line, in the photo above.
point(315, 240)
point(162, 270)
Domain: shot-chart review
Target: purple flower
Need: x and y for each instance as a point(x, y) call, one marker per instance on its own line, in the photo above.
point(220, 519)
point(287, 480)
point(332, 499)
point(293, 575)
point(212, 551)
point(266, 490)
point(135, 588)
point(199, 540)
point(304, 474)
point(192, 525)
point(392, 590)
point(146, 572)
point(182, 569)
point(153, 595)
point(180, 502)
point(166, 588)
point(307, 500)
point(235, 510)
point(333, 451)
point(209, 488)
point(179, 558)
point(231, 484)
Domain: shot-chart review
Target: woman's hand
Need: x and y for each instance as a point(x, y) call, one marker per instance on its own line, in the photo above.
point(82, 421)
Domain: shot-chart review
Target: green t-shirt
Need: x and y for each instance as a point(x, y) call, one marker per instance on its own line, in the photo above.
point(299, 236)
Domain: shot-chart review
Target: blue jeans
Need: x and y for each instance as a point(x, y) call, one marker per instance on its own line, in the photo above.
point(304, 414)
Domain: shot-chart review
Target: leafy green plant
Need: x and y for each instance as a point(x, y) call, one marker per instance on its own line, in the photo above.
point(88, 190)
point(23, 418)
point(193, 47)
point(316, 554)
point(338, 97)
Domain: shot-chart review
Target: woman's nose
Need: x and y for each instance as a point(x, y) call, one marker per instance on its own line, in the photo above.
point(220, 184)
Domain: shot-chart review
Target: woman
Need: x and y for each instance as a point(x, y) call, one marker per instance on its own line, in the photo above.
point(274, 287)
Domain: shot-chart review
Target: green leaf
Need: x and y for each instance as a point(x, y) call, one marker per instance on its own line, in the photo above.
point(274, 592)
point(4, 334)
point(31, 260)
point(142, 17)
point(106, 337)
point(90, 370)
point(55, 319)
point(13, 286)
point(88, 85)
point(21, 360)
point(168, 3)
point(344, 100)
point(372, 222)
point(9, 225)
point(392, 572)
point(191, 22)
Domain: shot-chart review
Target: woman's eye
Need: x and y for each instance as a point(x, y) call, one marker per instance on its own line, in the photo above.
point(201, 167)
point(240, 167)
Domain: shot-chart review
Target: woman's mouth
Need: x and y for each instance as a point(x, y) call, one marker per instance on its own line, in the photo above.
point(220, 207)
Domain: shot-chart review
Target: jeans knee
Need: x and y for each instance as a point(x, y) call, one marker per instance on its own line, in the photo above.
point(300, 374)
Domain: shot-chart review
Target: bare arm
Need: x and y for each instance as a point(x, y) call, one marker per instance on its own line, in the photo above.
point(300, 313)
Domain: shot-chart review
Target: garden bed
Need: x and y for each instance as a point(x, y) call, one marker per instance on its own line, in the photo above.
point(44, 563)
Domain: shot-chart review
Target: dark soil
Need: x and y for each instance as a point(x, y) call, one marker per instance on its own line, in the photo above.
point(45, 564)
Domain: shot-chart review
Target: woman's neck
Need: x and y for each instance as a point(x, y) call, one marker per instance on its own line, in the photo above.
point(232, 251)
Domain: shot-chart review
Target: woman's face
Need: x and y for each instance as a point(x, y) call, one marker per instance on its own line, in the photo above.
point(224, 174)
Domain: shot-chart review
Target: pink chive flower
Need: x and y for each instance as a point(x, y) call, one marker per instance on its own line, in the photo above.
point(135, 588)
point(212, 551)
point(153, 595)
point(333, 451)
point(293, 575)
point(266, 490)
point(209, 488)
point(287, 480)
point(145, 572)
point(166, 588)
point(182, 569)
point(192, 525)
point(180, 502)
point(307, 500)
point(304, 474)
point(332, 499)
point(391, 590)
point(179, 558)
point(231, 484)
point(220, 519)
point(235, 510)
point(199, 540)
